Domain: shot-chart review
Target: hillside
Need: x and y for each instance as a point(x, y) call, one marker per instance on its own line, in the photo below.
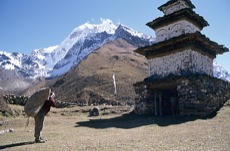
point(92, 80)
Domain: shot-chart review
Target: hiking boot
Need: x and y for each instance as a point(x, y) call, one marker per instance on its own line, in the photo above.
point(43, 139)
point(40, 141)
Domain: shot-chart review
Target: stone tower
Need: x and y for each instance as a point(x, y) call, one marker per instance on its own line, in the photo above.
point(180, 57)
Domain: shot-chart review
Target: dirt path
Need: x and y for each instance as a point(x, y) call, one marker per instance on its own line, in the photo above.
point(76, 131)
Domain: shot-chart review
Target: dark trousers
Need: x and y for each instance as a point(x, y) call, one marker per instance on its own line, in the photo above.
point(39, 120)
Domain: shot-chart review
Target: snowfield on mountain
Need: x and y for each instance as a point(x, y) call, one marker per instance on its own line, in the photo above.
point(18, 71)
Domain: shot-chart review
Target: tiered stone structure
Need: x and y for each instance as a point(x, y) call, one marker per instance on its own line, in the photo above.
point(181, 52)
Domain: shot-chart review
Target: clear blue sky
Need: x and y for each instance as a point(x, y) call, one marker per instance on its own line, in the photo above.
point(26, 25)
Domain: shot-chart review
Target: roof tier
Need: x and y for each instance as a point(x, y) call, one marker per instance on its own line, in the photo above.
point(186, 14)
point(195, 41)
point(188, 2)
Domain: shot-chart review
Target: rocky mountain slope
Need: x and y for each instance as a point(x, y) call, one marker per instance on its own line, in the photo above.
point(56, 60)
point(20, 71)
point(92, 81)
point(220, 72)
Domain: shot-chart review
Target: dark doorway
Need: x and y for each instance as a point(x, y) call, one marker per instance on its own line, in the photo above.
point(169, 104)
point(165, 99)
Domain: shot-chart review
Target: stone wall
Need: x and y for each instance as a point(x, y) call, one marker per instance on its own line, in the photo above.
point(181, 63)
point(197, 95)
point(17, 100)
point(21, 100)
point(143, 100)
point(202, 95)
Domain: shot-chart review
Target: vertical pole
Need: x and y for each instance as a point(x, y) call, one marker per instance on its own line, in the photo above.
point(155, 103)
point(160, 103)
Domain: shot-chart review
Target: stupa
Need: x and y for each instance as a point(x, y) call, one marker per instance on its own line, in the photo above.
point(181, 66)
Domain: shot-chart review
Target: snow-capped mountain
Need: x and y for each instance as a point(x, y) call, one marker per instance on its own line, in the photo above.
point(133, 37)
point(11, 61)
point(219, 72)
point(56, 60)
point(13, 69)
point(83, 40)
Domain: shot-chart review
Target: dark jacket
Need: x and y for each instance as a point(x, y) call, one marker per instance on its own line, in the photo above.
point(48, 103)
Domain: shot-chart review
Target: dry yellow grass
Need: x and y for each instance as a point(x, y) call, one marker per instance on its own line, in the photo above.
point(67, 129)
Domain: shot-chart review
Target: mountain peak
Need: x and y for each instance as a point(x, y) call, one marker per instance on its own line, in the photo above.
point(133, 37)
point(106, 25)
point(131, 31)
point(81, 42)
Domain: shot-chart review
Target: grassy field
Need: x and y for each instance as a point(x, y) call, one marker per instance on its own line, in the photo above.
point(70, 129)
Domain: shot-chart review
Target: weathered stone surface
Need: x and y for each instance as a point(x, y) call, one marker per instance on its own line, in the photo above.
point(181, 63)
point(202, 95)
point(175, 29)
point(144, 100)
point(197, 95)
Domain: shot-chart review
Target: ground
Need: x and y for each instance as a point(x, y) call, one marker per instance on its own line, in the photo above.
point(72, 129)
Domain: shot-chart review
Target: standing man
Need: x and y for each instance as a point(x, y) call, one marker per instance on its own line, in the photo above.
point(39, 118)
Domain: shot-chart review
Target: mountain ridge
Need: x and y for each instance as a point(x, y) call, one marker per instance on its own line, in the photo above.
point(57, 60)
